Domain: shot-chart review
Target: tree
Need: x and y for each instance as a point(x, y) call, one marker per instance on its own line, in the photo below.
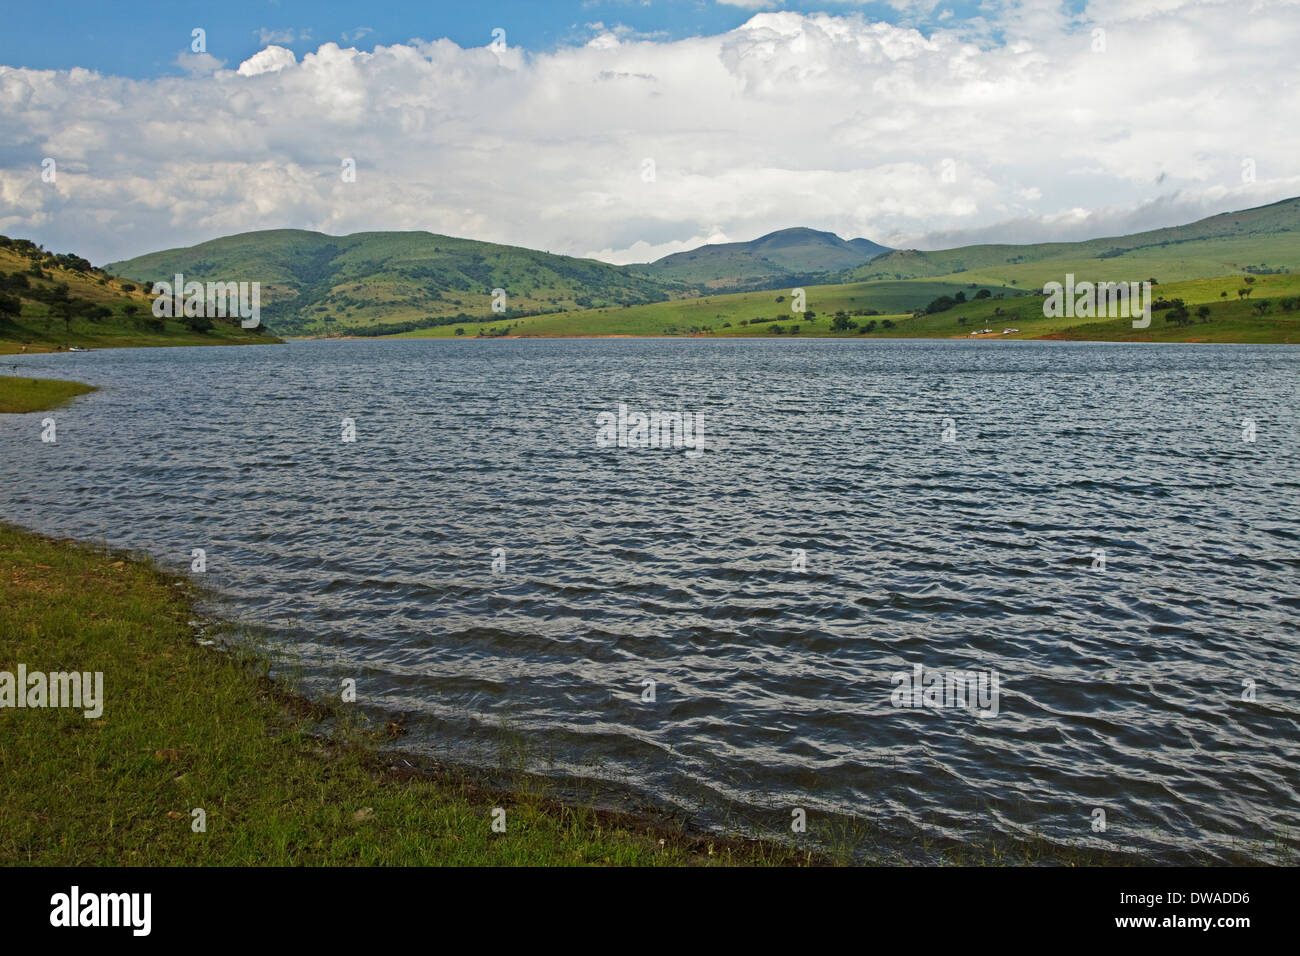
point(1179, 313)
point(460, 331)
point(983, 294)
point(1204, 313)
point(10, 306)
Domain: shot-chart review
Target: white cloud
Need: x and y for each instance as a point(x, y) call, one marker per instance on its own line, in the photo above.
point(198, 64)
point(830, 121)
point(271, 60)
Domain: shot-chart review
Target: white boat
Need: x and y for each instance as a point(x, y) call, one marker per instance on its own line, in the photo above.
point(1009, 331)
point(77, 348)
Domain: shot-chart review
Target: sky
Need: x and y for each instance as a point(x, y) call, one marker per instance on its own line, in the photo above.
point(630, 129)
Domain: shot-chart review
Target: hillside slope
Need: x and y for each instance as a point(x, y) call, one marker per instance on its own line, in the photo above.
point(50, 302)
point(386, 281)
point(1261, 239)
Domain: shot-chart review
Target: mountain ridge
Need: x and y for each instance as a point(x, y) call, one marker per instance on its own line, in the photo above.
point(380, 282)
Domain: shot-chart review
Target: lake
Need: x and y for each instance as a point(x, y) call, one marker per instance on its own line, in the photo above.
point(942, 590)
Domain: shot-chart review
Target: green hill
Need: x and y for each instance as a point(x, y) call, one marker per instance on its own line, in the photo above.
point(379, 283)
point(51, 301)
point(1262, 239)
point(787, 257)
point(390, 281)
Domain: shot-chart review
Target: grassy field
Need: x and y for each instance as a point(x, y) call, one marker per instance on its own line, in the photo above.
point(103, 311)
point(723, 314)
point(37, 394)
point(1231, 318)
point(185, 726)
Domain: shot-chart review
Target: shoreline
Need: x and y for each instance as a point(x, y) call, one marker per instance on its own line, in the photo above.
point(568, 820)
point(286, 750)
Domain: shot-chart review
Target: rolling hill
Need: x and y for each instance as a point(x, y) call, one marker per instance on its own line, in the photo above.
point(52, 301)
point(1259, 240)
point(381, 283)
point(387, 281)
point(788, 257)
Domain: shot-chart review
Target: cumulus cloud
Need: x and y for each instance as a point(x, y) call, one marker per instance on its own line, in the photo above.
point(1016, 128)
point(271, 60)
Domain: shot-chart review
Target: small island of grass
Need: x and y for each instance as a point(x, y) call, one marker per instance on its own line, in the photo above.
point(19, 395)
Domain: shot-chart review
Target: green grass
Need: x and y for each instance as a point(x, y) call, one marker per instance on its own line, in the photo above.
point(185, 726)
point(1231, 319)
point(712, 314)
point(19, 395)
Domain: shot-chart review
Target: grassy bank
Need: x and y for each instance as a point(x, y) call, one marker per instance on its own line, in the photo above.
point(37, 394)
point(184, 727)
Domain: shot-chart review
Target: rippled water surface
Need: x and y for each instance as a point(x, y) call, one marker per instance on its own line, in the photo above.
point(1120, 688)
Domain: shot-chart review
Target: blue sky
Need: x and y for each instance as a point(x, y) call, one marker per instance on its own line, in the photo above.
point(141, 39)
